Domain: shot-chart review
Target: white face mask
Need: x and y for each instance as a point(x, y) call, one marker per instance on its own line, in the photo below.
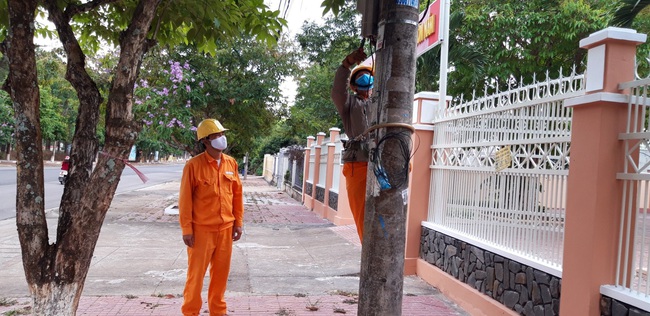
point(219, 143)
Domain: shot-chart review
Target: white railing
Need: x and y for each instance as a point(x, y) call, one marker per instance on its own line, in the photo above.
point(633, 263)
point(336, 168)
point(322, 166)
point(518, 211)
point(312, 163)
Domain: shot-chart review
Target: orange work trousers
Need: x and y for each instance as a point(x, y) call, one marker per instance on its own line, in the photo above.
point(355, 184)
point(214, 249)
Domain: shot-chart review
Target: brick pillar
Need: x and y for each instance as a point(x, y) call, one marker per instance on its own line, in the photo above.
point(424, 107)
point(334, 134)
point(593, 193)
point(331, 148)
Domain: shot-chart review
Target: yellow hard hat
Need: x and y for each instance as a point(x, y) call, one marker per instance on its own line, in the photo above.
point(356, 70)
point(208, 127)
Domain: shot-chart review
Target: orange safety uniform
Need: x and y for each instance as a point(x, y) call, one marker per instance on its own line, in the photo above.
point(352, 110)
point(210, 203)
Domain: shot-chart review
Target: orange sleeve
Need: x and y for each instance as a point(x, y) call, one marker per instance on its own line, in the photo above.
point(185, 199)
point(238, 200)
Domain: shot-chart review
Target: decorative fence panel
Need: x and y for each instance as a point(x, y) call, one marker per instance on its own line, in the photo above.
point(499, 171)
point(312, 168)
point(336, 170)
point(322, 166)
point(633, 262)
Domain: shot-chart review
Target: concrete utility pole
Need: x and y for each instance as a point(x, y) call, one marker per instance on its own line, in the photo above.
point(382, 257)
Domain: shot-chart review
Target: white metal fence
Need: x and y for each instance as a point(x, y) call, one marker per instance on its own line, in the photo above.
point(322, 166)
point(312, 165)
point(336, 170)
point(517, 211)
point(634, 239)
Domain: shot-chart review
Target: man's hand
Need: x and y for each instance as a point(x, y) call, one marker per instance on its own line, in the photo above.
point(237, 231)
point(189, 240)
point(355, 57)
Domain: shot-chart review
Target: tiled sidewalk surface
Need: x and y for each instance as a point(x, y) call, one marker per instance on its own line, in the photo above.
point(428, 305)
point(265, 206)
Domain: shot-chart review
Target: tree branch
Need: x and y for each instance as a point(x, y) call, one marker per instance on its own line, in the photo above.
point(73, 10)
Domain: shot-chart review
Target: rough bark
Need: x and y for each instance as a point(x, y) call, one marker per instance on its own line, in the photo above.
point(56, 272)
point(22, 86)
point(382, 257)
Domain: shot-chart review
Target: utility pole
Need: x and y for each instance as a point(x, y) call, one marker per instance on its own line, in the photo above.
point(382, 257)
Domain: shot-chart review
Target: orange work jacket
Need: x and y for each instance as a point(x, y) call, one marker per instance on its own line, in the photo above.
point(211, 196)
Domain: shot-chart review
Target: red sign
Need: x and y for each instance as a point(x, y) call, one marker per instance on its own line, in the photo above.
point(429, 29)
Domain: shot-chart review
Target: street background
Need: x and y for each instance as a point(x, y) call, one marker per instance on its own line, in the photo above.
point(288, 262)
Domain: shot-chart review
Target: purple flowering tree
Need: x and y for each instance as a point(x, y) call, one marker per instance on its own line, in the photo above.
point(239, 85)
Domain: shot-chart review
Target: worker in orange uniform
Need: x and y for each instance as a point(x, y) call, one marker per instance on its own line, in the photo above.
point(352, 109)
point(211, 210)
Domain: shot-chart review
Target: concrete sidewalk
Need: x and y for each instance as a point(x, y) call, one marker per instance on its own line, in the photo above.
point(288, 262)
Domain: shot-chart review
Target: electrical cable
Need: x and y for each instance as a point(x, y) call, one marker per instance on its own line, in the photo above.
point(426, 10)
point(397, 180)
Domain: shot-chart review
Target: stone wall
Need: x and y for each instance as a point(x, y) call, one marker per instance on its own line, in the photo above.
point(519, 287)
point(333, 200)
point(320, 194)
point(612, 307)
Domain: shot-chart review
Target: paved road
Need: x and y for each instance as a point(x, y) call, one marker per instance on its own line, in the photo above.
point(157, 174)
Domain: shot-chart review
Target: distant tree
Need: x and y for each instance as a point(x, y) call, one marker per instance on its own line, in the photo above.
point(59, 101)
point(324, 47)
point(427, 74)
point(239, 85)
point(523, 38)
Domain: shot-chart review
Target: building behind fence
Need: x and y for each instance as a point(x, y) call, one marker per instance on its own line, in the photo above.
point(530, 201)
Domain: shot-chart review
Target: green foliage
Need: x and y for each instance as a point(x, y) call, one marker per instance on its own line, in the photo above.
point(280, 136)
point(239, 86)
point(59, 101)
point(6, 119)
point(520, 39)
point(324, 47)
point(201, 23)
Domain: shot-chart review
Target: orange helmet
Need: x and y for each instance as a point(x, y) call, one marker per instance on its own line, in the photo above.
point(356, 70)
point(207, 127)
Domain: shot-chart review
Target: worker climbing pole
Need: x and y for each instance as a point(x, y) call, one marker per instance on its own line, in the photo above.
point(391, 29)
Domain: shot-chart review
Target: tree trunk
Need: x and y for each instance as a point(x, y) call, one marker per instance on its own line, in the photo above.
point(382, 256)
point(56, 272)
point(22, 85)
point(56, 299)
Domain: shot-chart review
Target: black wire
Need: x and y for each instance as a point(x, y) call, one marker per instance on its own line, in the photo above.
point(404, 139)
point(425, 12)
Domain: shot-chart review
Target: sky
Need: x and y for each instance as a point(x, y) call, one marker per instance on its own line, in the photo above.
point(299, 11)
